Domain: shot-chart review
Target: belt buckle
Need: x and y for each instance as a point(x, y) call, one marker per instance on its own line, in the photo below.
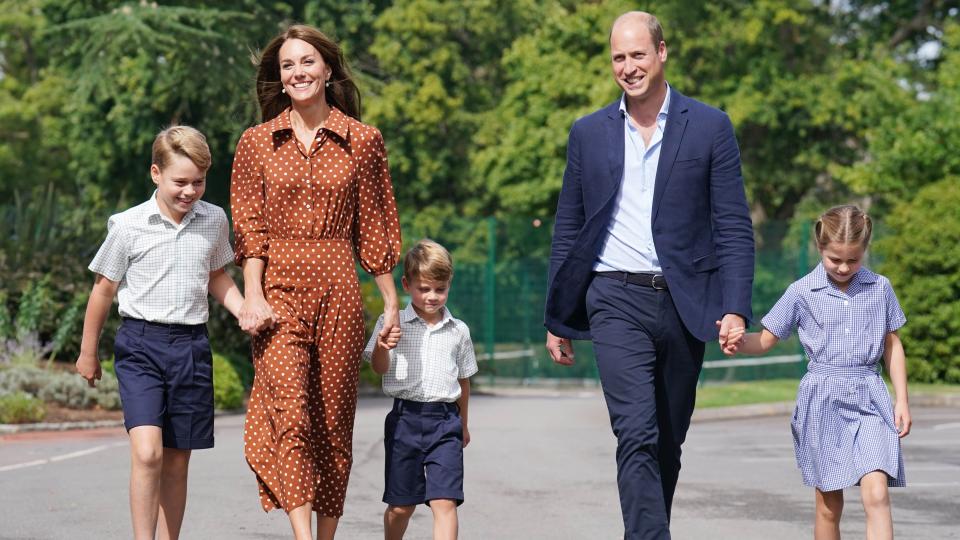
point(653, 282)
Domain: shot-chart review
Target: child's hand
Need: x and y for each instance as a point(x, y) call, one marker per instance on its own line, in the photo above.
point(466, 436)
point(267, 322)
point(389, 336)
point(391, 339)
point(730, 343)
point(255, 315)
point(901, 418)
point(88, 366)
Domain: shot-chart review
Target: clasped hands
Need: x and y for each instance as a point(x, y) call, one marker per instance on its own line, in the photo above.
point(389, 336)
point(256, 315)
point(732, 329)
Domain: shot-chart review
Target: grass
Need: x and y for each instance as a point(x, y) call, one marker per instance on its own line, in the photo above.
point(929, 388)
point(745, 393)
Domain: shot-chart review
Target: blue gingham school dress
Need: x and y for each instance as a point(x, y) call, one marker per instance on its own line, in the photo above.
point(843, 425)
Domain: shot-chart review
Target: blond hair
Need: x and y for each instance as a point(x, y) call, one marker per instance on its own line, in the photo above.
point(843, 225)
point(182, 140)
point(428, 260)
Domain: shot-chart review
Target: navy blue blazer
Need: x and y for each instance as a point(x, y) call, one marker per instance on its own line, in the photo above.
point(701, 223)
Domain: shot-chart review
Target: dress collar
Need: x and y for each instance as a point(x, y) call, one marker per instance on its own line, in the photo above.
point(337, 122)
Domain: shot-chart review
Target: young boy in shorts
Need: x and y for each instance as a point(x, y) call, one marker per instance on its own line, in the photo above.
point(162, 257)
point(427, 374)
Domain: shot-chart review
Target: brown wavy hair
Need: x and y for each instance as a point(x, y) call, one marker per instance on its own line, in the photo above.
point(342, 92)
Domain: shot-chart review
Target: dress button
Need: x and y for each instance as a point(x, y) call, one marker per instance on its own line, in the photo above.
point(846, 330)
point(846, 302)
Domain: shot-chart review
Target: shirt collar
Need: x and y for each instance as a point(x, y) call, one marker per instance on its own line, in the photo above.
point(664, 109)
point(337, 122)
point(820, 279)
point(153, 211)
point(408, 314)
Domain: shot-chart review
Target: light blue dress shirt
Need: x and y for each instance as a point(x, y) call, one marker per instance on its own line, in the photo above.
point(629, 244)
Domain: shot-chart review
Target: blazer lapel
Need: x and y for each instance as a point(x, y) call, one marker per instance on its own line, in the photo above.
point(672, 138)
point(614, 130)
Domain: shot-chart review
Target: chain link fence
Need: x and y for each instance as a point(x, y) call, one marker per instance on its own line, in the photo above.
point(499, 287)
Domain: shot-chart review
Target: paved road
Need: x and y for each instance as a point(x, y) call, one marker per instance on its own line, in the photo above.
point(538, 468)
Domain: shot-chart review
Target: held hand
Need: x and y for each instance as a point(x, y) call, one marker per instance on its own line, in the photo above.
point(561, 349)
point(255, 315)
point(901, 418)
point(88, 366)
point(390, 335)
point(392, 338)
point(734, 338)
point(732, 329)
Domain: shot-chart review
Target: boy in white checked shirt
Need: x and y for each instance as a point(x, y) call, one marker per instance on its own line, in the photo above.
point(162, 257)
point(427, 374)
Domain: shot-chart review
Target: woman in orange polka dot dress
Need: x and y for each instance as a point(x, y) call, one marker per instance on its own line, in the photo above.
point(310, 190)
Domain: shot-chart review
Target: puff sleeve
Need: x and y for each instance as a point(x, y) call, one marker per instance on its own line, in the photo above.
point(376, 228)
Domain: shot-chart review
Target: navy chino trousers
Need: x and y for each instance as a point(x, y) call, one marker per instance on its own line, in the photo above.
point(649, 365)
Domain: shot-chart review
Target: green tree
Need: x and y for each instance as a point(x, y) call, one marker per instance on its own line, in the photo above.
point(922, 260)
point(917, 145)
point(555, 74)
point(439, 64)
point(137, 68)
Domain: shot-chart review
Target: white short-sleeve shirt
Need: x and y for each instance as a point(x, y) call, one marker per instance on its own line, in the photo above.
point(429, 361)
point(164, 268)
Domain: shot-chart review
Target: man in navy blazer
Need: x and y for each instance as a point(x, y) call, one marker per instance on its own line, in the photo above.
point(652, 248)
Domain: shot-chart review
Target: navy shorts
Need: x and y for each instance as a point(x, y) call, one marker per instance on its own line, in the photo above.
point(165, 373)
point(424, 447)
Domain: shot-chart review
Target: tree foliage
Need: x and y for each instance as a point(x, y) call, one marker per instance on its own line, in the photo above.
point(923, 263)
point(832, 102)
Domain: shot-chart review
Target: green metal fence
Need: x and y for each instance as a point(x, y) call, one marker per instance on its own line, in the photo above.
point(500, 280)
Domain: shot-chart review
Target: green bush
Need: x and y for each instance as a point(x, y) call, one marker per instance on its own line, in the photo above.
point(243, 365)
point(21, 408)
point(66, 389)
point(227, 388)
point(922, 259)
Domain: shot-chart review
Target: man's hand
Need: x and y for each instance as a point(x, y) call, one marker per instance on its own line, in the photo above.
point(561, 349)
point(732, 328)
point(88, 366)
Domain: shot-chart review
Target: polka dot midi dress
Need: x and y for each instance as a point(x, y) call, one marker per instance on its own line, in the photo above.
point(308, 212)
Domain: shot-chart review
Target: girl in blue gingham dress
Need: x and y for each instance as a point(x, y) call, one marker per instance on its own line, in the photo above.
point(846, 431)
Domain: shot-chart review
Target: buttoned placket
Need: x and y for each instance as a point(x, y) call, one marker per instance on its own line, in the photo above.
point(310, 156)
point(174, 228)
point(842, 299)
point(642, 153)
point(846, 315)
point(847, 322)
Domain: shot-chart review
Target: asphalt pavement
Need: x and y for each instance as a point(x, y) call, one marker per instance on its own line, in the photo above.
point(539, 467)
